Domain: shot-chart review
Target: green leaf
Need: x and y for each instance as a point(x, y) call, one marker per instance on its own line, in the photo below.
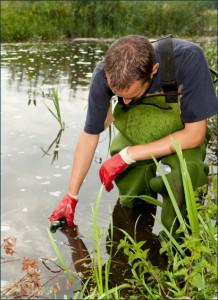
point(171, 195)
point(60, 256)
point(189, 192)
point(146, 198)
point(171, 238)
point(182, 272)
point(198, 281)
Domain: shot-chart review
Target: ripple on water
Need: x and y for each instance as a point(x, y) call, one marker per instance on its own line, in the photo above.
point(55, 194)
point(46, 182)
point(5, 227)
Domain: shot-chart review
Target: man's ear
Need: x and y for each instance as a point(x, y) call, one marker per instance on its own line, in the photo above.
point(155, 69)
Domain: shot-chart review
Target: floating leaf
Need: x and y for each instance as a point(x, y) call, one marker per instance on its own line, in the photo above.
point(9, 245)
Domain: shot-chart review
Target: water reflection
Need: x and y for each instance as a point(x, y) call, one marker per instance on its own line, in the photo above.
point(138, 223)
point(54, 147)
point(57, 64)
point(31, 186)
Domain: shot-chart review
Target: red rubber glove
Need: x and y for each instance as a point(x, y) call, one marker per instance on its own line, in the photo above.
point(65, 209)
point(110, 169)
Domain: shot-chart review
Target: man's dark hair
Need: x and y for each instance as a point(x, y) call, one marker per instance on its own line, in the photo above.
point(128, 59)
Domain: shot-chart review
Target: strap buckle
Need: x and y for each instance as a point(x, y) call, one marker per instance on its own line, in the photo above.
point(170, 91)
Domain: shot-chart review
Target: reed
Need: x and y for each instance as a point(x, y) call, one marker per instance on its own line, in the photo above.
point(101, 272)
point(56, 113)
point(60, 257)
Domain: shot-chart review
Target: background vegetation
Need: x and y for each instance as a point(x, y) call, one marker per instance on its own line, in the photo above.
point(60, 20)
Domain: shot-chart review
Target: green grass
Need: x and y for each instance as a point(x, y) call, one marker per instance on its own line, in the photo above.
point(60, 257)
point(58, 20)
point(191, 270)
point(101, 274)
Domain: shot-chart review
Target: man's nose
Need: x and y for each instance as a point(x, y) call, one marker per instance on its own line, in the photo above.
point(127, 101)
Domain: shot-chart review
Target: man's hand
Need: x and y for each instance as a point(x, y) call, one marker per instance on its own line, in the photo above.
point(112, 167)
point(65, 209)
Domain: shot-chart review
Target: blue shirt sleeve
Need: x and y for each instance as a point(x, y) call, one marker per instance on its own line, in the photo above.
point(98, 102)
point(198, 100)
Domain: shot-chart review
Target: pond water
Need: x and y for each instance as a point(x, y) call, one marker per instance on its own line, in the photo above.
point(31, 184)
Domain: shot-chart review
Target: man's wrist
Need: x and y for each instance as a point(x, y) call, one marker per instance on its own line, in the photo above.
point(73, 196)
point(126, 157)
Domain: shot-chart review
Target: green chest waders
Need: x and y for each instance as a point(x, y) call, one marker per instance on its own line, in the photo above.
point(146, 122)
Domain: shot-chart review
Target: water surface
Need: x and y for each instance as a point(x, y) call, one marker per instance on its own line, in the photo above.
point(31, 185)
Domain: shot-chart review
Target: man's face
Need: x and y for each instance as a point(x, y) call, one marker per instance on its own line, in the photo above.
point(134, 92)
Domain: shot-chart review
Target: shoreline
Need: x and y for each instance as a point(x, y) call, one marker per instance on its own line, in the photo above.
point(105, 40)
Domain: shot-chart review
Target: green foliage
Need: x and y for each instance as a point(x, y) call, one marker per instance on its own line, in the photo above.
point(210, 51)
point(192, 269)
point(56, 113)
point(60, 257)
point(100, 275)
point(55, 20)
point(146, 198)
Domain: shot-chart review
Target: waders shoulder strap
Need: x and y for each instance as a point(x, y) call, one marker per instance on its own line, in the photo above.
point(167, 69)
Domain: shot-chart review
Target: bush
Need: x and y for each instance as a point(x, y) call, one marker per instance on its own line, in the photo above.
point(55, 20)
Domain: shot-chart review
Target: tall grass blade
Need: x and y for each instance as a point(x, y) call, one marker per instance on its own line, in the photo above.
point(56, 104)
point(113, 291)
point(209, 229)
point(189, 192)
point(97, 237)
point(53, 114)
point(171, 238)
point(60, 256)
point(214, 185)
point(110, 138)
point(55, 141)
point(146, 198)
point(172, 197)
point(108, 262)
point(56, 113)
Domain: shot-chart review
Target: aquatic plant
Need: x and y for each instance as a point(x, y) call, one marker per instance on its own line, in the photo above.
point(96, 285)
point(101, 272)
point(60, 257)
point(56, 144)
point(56, 113)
